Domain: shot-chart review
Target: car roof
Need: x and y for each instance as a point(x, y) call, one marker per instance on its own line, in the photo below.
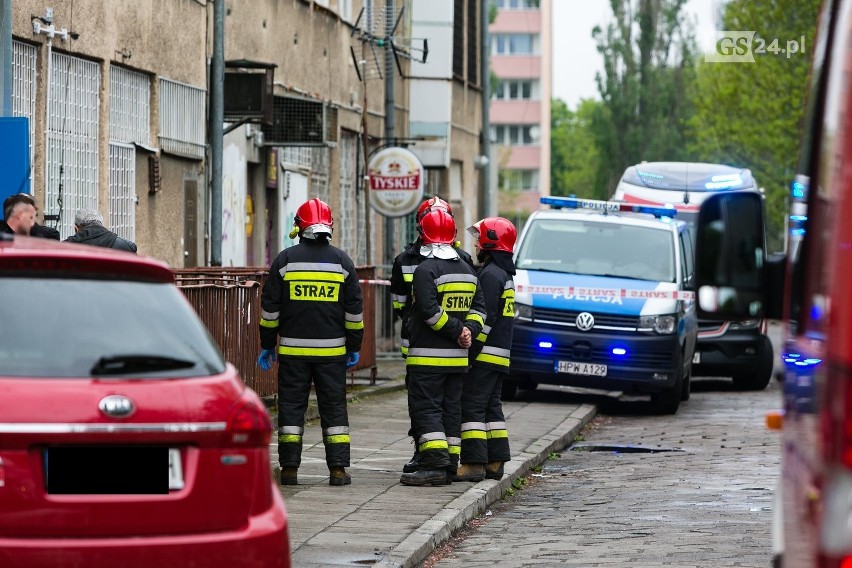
point(691, 176)
point(19, 254)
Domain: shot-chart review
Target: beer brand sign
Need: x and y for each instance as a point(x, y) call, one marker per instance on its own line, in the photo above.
point(396, 181)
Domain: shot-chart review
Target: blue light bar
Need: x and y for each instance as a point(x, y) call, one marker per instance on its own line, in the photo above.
point(607, 206)
point(724, 181)
point(545, 344)
point(619, 351)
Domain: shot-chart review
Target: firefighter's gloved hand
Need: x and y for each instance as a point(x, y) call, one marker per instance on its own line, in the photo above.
point(352, 359)
point(265, 359)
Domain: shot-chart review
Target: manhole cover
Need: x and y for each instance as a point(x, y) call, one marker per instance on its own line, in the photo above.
point(620, 449)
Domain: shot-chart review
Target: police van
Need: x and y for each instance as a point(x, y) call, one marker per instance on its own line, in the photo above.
point(603, 300)
point(737, 349)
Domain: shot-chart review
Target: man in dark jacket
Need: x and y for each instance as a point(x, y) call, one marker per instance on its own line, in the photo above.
point(311, 307)
point(90, 230)
point(19, 211)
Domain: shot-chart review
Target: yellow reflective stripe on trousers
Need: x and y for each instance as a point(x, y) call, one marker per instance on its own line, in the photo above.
point(407, 277)
point(474, 435)
point(312, 351)
point(337, 439)
point(493, 359)
point(354, 325)
point(496, 434)
point(434, 445)
point(289, 438)
point(437, 361)
point(267, 323)
point(454, 450)
point(315, 276)
point(398, 305)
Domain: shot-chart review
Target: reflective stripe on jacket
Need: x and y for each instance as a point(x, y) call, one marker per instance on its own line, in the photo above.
point(492, 347)
point(312, 301)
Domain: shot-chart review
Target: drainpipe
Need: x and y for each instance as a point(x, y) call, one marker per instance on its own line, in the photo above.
point(217, 118)
point(6, 50)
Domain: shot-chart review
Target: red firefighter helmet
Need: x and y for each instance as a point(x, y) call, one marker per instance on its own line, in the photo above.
point(315, 217)
point(494, 233)
point(433, 203)
point(437, 227)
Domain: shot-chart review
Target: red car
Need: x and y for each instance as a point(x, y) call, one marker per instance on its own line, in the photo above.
point(106, 372)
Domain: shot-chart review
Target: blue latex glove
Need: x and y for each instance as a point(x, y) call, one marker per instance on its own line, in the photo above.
point(265, 359)
point(352, 359)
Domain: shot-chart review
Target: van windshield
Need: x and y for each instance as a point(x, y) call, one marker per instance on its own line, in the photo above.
point(599, 249)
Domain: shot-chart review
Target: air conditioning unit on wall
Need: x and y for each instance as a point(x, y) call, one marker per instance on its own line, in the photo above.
point(298, 121)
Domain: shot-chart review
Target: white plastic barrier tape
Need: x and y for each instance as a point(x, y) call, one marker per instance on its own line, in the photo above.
point(606, 292)
point(379, 282)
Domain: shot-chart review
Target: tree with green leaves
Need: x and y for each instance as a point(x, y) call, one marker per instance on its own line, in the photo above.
point(573, 153)
point(751, 114)
point(649, 57)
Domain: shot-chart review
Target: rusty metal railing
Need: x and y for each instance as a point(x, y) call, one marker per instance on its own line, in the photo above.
point(228, 302)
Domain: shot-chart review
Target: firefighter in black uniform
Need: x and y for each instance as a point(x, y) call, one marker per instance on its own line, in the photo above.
point(447, 313)
point(484, 438)
point(402, 274)
point(312, 309)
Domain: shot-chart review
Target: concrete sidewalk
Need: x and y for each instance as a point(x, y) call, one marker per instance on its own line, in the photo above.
point(376, 520)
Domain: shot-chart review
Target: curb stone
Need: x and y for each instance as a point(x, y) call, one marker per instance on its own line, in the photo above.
point(473, 502)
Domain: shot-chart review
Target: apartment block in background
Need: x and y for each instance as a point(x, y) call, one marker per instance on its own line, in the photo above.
point(520, 103)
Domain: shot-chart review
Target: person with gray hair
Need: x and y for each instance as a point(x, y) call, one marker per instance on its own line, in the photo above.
point(90, 230)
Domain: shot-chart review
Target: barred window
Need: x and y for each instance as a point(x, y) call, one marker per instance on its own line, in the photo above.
point(182, 123)
point(24, 58)
point(72, 139)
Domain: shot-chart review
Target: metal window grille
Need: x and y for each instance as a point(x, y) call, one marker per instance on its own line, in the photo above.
point(182, 123)
point(319, 174)
point(24, 59)
point(72, 145)
point(129, 106)
point(122, 190)
point(299, 156)
point(347, 233)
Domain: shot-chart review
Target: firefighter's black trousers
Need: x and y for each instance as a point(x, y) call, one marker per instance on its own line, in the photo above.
point(294, 386)
point(484, 437)
point(434, 404)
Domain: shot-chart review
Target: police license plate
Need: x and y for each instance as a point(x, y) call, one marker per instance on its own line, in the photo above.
point(175, 470)
point(572, 368)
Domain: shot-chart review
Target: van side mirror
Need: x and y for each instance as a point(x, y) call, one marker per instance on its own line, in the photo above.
point(730, 257)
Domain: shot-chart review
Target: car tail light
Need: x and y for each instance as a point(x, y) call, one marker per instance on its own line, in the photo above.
point(248, 422)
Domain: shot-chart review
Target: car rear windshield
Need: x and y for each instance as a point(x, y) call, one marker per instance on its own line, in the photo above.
point(58, 327)
point(598, 248)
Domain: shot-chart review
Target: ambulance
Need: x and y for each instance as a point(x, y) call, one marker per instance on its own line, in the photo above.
point(739, 349)
point(604, 301)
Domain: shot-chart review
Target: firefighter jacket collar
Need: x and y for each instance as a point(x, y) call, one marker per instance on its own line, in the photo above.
point(445, 252)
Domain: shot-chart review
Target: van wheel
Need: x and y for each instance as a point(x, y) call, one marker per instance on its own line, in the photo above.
point(687, 385)
point(762, 373)
point(668, 401)
point(510, 389)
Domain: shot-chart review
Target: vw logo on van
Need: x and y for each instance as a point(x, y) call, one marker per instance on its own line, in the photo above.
point(585, 321)
point(117, 406)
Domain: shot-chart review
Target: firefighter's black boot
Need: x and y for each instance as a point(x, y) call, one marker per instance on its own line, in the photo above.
point(414, 464)
point(288, 476)
point(424, 477)
point(338, 476)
